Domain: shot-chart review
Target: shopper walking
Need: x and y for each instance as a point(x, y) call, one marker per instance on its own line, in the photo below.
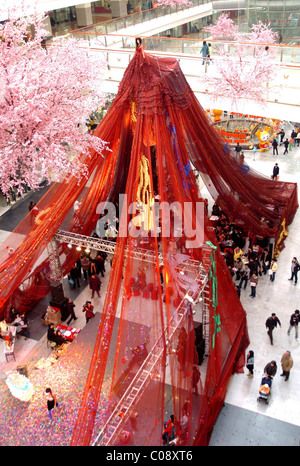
point(286, 146)
point(245, 275)
point(275, 171)
point(250, 363)
point(286, 365)
point(273, 269)
point(275, 146)
point(204, 51)
point(88, 308)
point(253, 284)
point(71, 312)
point(272, 323)
point(271, 369)
point(74, 276)
point(282, 134)
point(294, 321)
point(51, 402)
point(95, 285)
point(294, 269)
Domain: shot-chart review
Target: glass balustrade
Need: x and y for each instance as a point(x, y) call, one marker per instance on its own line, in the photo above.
point(117, 24)
point(280, 53)
point(109, 37)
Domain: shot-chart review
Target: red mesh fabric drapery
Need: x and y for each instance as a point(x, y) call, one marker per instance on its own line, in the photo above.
point(155, 92)
point(23, 256)
point(155, 129)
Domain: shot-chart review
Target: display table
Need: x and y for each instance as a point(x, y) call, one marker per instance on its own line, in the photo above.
point(68, 332)
point(20, 387)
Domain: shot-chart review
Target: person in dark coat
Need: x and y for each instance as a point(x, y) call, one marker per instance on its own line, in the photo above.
point(51, 333)
point(275, 146)
point(294, 269)
point(100, 266)
point(271, 369)
point(95, 285)
point(294, 321)
point(13, 313)
point(253, 265)
point(75, 274)
point(70, 309)
point(282, 134)
point(275, 171)
point(271, 323)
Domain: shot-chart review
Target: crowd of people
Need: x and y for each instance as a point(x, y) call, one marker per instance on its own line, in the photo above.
point(247, 262)
point(288, 143)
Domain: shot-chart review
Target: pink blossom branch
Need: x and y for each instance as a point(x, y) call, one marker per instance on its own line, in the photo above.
point(174, 3)
point(245, 71)
point(46, 98)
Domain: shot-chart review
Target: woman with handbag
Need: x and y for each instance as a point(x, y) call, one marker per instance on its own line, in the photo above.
point(273, 269)
point(253, 284)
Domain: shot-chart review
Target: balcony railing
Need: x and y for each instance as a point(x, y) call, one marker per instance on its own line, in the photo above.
point(117, 24)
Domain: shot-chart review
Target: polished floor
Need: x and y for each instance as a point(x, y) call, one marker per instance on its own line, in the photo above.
point(243, 420)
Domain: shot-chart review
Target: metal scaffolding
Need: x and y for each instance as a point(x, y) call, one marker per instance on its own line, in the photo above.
point(156, 356)
point(149, 370)
point(56, 273)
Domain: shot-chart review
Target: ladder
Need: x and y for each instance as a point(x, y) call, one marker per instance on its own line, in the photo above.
point(206, 301)
point(121, 413)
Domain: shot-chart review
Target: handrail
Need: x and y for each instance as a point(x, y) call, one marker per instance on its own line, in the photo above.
point(175, 55)
point(165, 10)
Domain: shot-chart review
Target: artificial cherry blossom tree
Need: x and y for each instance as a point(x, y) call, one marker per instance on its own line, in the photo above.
point(47, 93)
point(224, 28)
point(244, 69)
point(175, 3)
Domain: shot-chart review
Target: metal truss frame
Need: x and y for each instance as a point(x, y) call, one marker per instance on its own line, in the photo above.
point(157, 354)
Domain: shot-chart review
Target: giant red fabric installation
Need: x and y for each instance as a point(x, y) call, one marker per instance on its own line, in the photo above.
point(155, 130)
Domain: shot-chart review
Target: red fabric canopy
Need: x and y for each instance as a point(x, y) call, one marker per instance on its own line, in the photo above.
point(157, 131)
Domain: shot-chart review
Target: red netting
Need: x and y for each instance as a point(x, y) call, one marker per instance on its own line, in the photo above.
point(156, 129)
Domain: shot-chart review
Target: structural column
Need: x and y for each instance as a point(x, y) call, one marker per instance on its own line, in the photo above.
point(118, 8)
point(84, 14)
point(56, 273)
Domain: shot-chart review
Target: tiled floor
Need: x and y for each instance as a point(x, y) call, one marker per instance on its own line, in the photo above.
point(282, 416)
point(242, 421)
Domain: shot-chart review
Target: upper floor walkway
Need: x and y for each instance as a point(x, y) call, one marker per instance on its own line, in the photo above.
point(115, 41)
